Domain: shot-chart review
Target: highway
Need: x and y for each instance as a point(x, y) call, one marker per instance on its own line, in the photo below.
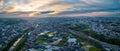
point(107, 45)
point(15, 44)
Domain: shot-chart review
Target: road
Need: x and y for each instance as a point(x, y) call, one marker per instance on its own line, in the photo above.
point(107, 45)
point(15, 44)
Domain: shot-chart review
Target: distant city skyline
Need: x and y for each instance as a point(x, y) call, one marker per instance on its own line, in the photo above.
point(36, 8)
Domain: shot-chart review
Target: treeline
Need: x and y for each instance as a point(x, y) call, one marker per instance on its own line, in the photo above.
point(20, 43)
point(7, 47)
point(84, 29)
point(108, 40)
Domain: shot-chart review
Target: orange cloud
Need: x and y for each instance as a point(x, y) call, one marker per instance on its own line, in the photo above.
point(31, 14)
point(11, 9)
point(34, 13)
point(34, 7)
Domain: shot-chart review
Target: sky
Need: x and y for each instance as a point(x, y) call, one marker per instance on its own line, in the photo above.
point(45, 8)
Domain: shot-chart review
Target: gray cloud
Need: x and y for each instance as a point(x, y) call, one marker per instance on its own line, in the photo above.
point(85, 6)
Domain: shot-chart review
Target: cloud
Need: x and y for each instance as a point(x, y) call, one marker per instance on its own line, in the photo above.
point(61, 7)
point(30, 6)
point(1, 2)
point(100, 7)
point(96, 14)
